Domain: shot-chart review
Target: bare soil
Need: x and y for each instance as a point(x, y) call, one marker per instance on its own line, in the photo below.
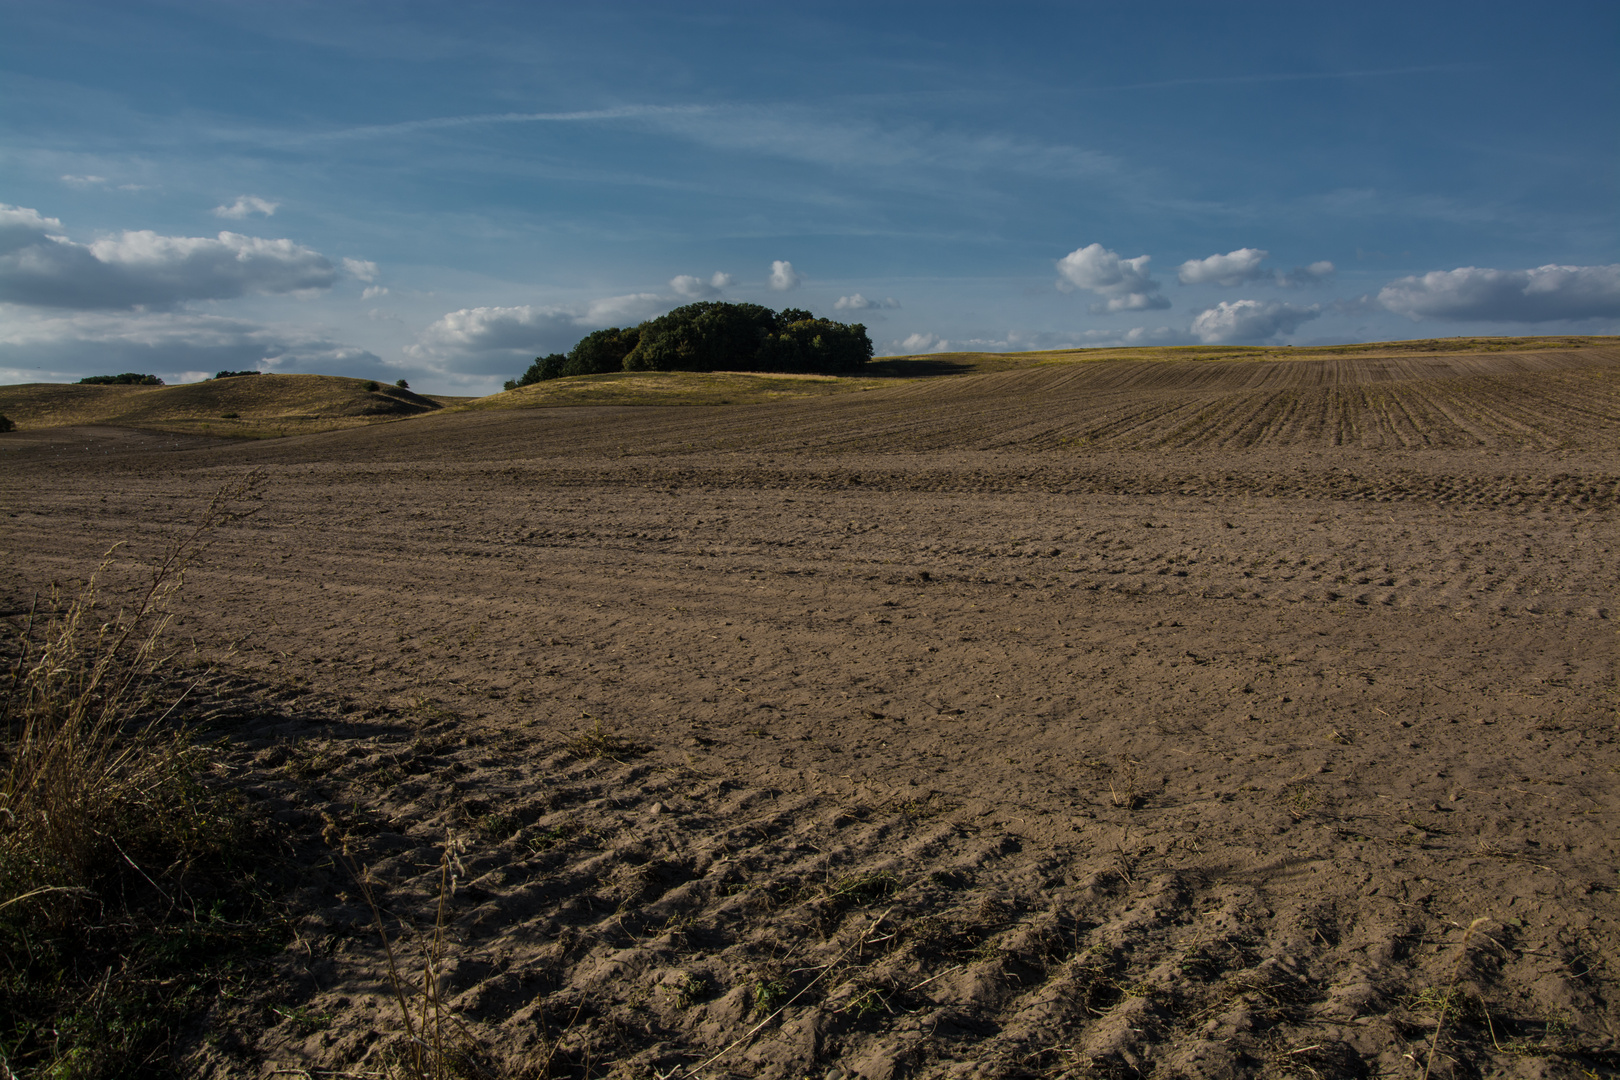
point(1164, 719)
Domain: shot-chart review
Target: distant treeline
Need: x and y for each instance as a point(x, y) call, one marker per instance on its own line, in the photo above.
point(128, 378)
point(713, 336)
point(235, 374)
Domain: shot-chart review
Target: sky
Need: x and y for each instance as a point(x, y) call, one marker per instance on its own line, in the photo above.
point(442, 192)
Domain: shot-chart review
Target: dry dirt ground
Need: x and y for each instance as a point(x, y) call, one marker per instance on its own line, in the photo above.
point(1174, 720)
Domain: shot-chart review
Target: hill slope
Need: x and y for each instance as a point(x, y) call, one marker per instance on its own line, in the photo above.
point(251, 406)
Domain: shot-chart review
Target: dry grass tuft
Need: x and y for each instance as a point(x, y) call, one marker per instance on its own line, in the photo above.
point(112, 845)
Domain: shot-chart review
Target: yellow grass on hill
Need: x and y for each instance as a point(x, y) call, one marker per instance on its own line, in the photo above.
point(255, 406)
point(672, 388)
point(965, 363)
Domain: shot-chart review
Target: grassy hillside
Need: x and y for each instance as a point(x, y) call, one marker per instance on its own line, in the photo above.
point(256, 406)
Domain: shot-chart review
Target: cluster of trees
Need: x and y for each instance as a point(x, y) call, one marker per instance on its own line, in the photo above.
point(713, 336)
point(128, 378)
point(235, 374)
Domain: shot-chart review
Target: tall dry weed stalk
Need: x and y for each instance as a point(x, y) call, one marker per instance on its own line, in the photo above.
point(86, 757)
point(437, 1045)
point(126, 879)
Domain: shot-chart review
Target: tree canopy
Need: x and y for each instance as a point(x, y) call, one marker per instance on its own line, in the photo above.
point(714, 336)
point(128, 378)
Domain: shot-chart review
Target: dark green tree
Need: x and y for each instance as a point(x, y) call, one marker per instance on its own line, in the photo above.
point(706, 336)
point(128, 378)
point(544, 367)
point(601, 351)
point(714, 336)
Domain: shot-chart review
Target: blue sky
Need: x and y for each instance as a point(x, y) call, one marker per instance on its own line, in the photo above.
point(440, 191)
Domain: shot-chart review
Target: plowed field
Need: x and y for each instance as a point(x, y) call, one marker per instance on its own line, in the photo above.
point(1121, 718)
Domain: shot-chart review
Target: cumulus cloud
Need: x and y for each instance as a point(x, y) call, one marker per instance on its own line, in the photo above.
point(1249, 321)
point(861, 303)
point(373, 291)
point(41, 268)
point(364, 269)
point(1544, 294)
point(784, 277)
point(245, 205)
point(1243, 266)
point(1233, 268)
point(1123, 284)
point(507, 333)
point(695, 288)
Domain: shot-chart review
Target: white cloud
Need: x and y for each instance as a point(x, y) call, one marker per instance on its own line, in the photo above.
point(1249, 321)
point(784, 277)
point(1544, 294)
point(861, 303)
point(912, 344)
point(364, 269)
point(1243, 266)
point(1123, 283)
point(1233, 268)
point(695, 288)
point(373, 291)
point(83, 181)
point(245, 205)
point(506, 333)
point(40, 268)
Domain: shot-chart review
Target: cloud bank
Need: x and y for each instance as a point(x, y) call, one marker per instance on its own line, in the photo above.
point(1123, 284)
point(1545, 294)
point(41, 268)
point(173, 345)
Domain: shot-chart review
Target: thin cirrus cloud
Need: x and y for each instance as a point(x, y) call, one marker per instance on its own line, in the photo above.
point(1249, 321)
point(1242, 266)
point(246, 205)
point(695, 288)
point(39, 267)
point(1544, 294)
point(858, 302)
point(1123, 284)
